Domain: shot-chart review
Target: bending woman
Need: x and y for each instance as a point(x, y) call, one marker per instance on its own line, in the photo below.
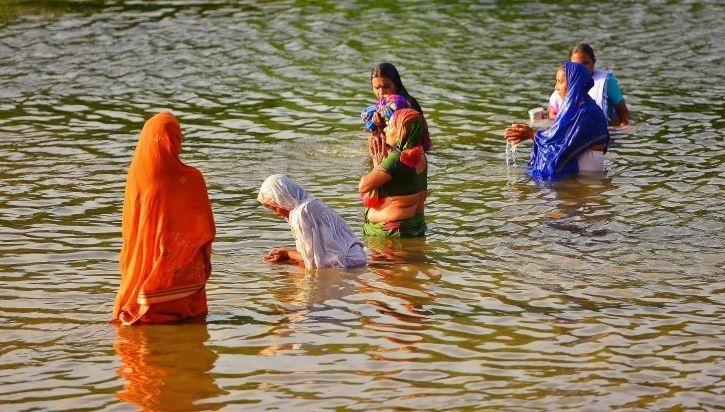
point(578, 138)
point(322, 238)
point(167, 229)
point(398, 184)
point(605, 92)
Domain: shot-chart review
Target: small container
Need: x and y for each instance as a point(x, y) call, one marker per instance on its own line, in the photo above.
point(538, 114)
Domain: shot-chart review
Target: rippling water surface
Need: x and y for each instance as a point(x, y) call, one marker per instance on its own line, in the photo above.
point(586, 294)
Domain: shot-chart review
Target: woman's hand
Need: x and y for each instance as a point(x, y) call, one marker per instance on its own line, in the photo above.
point(377, 146)
point(279, 254)
point(519, 132)
point(374, 143)
point(623, 114)
point(379, 121)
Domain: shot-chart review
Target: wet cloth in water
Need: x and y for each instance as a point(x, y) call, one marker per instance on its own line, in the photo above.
point(579, 125)
point(167, 229)
point(322, 237)
point(412, 227)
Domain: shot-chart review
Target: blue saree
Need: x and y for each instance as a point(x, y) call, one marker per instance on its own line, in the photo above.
point(579, 125)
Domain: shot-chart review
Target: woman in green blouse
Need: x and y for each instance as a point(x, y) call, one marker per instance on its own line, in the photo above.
point(396, 188)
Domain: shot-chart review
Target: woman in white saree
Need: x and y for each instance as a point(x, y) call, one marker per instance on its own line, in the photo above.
point(322, 238)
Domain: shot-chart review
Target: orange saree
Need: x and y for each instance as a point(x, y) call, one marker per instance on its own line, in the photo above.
point(167, 228)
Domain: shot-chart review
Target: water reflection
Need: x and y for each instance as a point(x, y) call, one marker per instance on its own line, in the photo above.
point(580, 197)
point(167, 367)
point(400, 292)
point(576, 219)
point(389, 299)
point(305, 288)
point(308, 300)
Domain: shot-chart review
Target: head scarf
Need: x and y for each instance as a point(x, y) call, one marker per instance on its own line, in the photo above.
point(167, 230)
point(409, 127)
point(385, 106)
point(321, 236)
point(579, 125)
point(281, 191)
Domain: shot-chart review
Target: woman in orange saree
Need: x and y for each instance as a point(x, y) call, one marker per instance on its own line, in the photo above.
point(167, 228)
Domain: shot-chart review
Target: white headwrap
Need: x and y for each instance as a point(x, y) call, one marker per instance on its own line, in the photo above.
point(280, 190)
point(321, 236)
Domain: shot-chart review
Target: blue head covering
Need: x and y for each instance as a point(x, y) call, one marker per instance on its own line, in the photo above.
point(579, 125)
point(386, 106)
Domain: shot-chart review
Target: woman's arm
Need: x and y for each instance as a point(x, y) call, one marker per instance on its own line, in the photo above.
point(282, 255)
point(295, 257)
point(552, 113)
point(623, 113)
point(377, 147)
point(554, 103)
point(615, 98)
point(373, 180)
point(373, 143)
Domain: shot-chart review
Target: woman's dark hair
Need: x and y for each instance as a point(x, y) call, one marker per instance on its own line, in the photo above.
point(389, 71)
point(583, 48)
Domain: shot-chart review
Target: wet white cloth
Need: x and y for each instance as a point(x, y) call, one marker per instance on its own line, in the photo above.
point(356, 256)
point(599, 90)
point(322, 237)
point(591, 161)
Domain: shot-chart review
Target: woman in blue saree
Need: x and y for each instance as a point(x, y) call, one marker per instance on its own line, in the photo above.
point(577, 140)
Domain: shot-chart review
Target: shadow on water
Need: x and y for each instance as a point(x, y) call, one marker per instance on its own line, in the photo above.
point(167, 367)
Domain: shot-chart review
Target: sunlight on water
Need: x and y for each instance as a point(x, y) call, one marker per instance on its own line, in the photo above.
point(591, 293)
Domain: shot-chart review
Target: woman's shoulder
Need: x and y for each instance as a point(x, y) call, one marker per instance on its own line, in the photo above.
point(194, 175)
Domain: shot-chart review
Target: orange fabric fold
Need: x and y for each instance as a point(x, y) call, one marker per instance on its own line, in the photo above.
point(168, 228)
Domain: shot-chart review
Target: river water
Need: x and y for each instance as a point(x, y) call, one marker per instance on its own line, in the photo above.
point(588, 294)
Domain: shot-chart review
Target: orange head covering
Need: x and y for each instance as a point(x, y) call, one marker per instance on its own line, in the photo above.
point(410, 129)
point(167, 230)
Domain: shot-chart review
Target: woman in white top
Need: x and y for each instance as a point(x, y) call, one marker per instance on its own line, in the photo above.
point(322, 238)
point(605, 92)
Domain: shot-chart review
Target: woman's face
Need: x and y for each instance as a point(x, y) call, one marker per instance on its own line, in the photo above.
point(561, 86)
point(278, 211)
point(390, 137)
point(584, 59)
point(382, 86)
